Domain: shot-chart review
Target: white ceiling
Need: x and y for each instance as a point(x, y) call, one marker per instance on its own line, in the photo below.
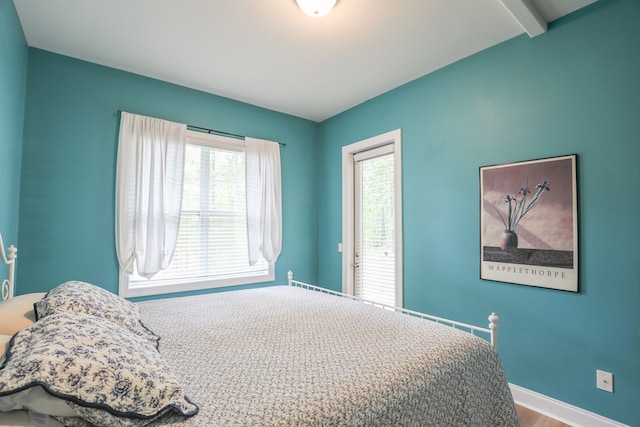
point(268, 53)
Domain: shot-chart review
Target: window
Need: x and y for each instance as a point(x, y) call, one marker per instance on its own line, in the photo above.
point(212, 239)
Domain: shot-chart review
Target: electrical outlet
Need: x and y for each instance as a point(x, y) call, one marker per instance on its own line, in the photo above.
point(604, 380)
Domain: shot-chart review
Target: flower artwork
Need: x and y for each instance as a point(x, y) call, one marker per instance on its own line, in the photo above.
point(516, 211)
point(541, 250)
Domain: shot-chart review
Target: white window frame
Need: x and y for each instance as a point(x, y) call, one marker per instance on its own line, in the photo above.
point(159, 287)
point(393, 137)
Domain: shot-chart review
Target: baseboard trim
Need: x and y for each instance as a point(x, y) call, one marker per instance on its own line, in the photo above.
point(559, 410)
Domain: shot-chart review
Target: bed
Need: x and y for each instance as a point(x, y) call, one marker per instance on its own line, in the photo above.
point(290, 355)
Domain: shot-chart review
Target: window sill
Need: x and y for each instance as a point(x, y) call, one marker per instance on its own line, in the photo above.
point(174, 286)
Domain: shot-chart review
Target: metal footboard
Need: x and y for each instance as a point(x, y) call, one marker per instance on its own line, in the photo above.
point(491, 331)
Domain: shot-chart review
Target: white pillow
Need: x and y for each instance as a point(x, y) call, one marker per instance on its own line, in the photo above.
point(21, 418)
point(17, 313)
point(37, 400)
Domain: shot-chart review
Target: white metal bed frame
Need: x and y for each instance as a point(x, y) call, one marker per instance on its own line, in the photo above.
point(491, 331)
point(10, 260)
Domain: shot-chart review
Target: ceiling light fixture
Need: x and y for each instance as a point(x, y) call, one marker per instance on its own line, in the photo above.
point(316, 8)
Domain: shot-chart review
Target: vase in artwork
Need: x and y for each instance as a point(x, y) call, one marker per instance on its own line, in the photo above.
point(508, 240)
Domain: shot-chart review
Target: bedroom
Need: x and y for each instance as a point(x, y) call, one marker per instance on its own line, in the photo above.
point(572, 90)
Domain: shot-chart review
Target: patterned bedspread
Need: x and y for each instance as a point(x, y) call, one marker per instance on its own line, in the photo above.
point(284, 356)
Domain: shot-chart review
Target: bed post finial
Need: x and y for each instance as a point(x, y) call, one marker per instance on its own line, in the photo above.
point(289, 277)
point(494, 321)
point(10, 259)
point(13, 253)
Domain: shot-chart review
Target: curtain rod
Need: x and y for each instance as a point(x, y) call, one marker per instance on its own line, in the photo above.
point(213, 131)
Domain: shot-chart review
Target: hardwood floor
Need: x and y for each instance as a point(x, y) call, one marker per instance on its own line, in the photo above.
point(529, 418)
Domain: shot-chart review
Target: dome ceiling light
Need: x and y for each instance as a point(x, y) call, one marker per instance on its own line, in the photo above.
point(316, 8)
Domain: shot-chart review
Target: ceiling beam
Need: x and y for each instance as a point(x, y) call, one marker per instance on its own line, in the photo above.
point(525, 12)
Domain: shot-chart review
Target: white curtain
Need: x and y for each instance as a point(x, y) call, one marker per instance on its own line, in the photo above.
point(149, 176)
point(264, 199)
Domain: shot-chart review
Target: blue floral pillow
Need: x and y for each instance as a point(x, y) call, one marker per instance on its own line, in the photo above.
point(86, 298)
point(105, 373)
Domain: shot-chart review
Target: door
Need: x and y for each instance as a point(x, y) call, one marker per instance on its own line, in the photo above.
point(374, 239)
point(372, 227)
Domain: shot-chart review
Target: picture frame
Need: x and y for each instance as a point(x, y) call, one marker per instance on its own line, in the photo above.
point(529, 223)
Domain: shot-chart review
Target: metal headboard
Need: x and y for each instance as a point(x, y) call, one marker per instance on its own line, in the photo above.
point(8, 258)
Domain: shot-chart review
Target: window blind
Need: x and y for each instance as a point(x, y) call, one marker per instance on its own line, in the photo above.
point(375, 225)
point(212, 237)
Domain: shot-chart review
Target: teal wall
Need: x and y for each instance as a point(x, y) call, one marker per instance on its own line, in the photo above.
point(575, 89)
point(68, 174)
point(13, 83)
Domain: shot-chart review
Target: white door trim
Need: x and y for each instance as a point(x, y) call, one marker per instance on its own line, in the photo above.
point(393, 137)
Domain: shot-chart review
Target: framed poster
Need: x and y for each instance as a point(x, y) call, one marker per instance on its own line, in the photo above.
point(529, 223)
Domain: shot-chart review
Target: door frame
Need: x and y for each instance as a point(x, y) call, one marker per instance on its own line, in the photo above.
point(348, 212)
